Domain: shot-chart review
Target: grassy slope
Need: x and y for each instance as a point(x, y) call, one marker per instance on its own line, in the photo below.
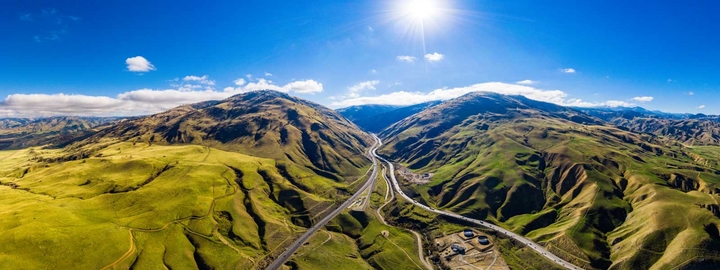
point(363, 246)
point(599, 196)
point(261, 123)
point(186, 206)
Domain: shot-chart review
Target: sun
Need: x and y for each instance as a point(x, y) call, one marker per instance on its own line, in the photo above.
point(421, 9)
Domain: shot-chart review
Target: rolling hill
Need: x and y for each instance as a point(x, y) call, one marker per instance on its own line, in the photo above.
point(215, 185)
point(599, 196)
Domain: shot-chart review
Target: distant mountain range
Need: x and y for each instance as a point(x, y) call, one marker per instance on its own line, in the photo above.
point(18, 133)
point(691, 129)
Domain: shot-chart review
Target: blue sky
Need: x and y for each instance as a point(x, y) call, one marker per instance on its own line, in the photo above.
point(81, 57)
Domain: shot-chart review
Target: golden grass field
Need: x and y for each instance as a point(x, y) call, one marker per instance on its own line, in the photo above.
point(145, 206)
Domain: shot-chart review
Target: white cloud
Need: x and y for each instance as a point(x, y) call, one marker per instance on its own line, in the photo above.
point(410, 98)
point(406, 58)
point(355, 90)
point(670, 80)
point(268, 74)
point(691, 93)
point(139, 64)
point(261, 84)
point(201, 80)
point(701, 107)
point(239, 82)
point(249, 76)
point(527, 82)
point(166, 99)
point(189, 87)
point(364, 86)
point(434, 57)
point(643, 99)
point(137, 102)
point(302, 87)
point(568, 70)
point(372, 71)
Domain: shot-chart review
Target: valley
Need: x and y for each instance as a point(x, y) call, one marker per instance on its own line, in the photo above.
point(535, 247)
point(264, 180)
point(388, 135)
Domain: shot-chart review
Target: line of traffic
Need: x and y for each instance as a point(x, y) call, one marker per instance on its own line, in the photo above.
point(280, 260)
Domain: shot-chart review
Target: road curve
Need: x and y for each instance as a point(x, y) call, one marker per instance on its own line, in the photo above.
point(280, 260)
point(389, 192)
point(534, 246)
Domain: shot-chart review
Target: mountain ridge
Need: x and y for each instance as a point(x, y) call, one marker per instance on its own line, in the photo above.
point(263, 123)
point(564, 178)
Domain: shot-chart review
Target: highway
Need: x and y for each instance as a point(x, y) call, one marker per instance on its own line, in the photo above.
point(389, 192)
point(280, 260)
point(534, 246)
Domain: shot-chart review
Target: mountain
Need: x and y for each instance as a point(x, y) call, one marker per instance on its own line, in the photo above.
point(354, 113)
point(375, 120)
point(16, 133)
point(215, 185)
point(686, 128)
point(267, 124)
point(599, 196)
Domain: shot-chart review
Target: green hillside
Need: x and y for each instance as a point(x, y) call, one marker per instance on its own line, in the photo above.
point(216, 185)
point(183, 206)
point(261, 123)
point(596, 195)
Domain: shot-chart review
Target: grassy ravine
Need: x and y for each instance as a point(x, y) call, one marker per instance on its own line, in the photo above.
point(149, 207)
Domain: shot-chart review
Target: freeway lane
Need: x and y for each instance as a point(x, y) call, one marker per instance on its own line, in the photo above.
point(280, 260)
point(534, 246)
